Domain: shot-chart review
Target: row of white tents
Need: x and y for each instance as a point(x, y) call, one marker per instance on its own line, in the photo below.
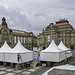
point(55, 53)
point(18, 54)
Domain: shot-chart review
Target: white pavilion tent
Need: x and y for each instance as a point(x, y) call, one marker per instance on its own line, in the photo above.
point(52, 53)
point(3, 50)
point(19, 54)
point(63, 47)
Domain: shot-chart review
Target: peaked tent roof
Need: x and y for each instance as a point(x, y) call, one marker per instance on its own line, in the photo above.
point(19, 48)
point(5, 48)
point(52, 48)
point(63, 47)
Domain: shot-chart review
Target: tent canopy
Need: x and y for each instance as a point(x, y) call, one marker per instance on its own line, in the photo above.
point(63, 47)
point(52, 53)
point(52, 48)
point(5, 48)
point(19, 48)
point(8, 54)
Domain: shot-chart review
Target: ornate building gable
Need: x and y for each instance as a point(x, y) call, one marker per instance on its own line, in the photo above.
point(5, 32)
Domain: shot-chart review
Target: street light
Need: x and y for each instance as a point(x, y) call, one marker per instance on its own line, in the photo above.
point(51, 24)
point(31, 34)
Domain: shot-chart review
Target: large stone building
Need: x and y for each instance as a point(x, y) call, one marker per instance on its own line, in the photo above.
point(62, 30)
point(28, 39)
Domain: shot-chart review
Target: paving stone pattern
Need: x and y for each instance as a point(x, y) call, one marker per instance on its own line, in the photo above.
point(9, 71)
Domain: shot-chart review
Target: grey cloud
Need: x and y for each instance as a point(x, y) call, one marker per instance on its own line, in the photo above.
point(34, 15)
point(14, 18)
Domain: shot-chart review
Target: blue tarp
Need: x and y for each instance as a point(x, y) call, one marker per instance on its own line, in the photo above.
point(38, 59)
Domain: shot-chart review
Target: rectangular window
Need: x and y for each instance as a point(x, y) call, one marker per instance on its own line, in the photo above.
point(24, 39)
point(21, 39)
point(14, 39)
point(30, 39)
point(18, 38)
point(48, 38)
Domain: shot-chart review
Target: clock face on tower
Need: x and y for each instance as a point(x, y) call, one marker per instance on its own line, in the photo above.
point(5, 32)
point(5, 35)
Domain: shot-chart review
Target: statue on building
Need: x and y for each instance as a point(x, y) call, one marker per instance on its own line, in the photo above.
point(4, 24)
point(3, 19)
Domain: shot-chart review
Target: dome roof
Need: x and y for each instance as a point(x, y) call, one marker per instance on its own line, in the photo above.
point(49, 26)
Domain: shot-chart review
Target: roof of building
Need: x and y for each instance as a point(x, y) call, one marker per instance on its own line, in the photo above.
point(62, 20)
point(63, 24)
point(0, 27)
point(19, 32)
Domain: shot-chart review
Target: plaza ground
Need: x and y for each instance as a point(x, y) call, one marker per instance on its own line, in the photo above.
point(39, 70)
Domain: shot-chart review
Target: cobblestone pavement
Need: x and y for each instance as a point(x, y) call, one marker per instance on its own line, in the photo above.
point(40, 71)
point(9, 71)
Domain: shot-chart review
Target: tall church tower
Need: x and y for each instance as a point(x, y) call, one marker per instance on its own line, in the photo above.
point(5, 32)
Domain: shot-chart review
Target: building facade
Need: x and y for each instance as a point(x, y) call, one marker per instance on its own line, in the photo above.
point(28, 39)
point(62, 30)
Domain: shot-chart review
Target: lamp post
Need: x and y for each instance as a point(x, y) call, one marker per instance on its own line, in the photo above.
point(63, 36)
point(31, 34)
point(51, 24)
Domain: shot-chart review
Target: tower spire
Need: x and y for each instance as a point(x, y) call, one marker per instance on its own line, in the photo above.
point(3, 19)
point(4, 24)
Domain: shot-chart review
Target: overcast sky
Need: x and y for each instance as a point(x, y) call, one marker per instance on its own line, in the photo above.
point(34, 15)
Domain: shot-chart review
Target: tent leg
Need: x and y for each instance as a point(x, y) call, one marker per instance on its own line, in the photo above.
point(11, 65)
point(48, 64)
point(18, 66)
point(4, 63)
point(40, 63)
point(23, 65)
